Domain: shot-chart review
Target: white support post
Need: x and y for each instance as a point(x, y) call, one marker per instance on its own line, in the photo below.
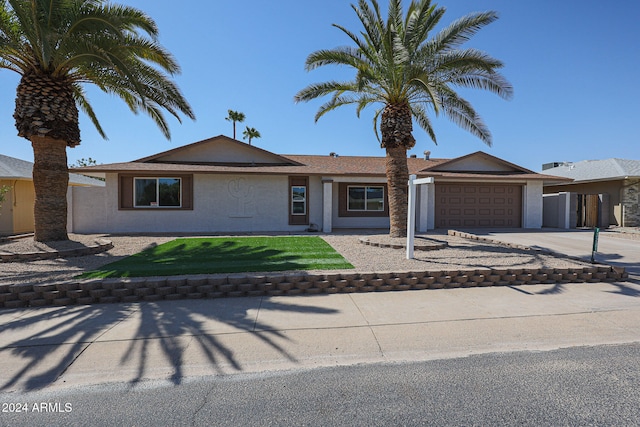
point(411, 211)
point(327, 205)
point(411, 216)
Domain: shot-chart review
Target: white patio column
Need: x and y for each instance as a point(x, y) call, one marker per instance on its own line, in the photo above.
point(426, 207)
point(327, 204)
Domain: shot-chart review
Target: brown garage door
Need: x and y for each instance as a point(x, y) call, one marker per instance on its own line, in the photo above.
point(478, 205)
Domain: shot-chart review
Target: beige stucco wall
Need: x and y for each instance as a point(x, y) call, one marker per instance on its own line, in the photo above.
point(221, 203)
point(6, 210)
point(16, 214)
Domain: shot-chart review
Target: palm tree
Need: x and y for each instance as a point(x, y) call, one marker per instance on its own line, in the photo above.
point(250, 133)
point(235, 116)
point(410, 75)
point(59, 45)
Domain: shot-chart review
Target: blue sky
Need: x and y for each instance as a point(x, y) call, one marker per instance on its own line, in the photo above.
point(573, 65)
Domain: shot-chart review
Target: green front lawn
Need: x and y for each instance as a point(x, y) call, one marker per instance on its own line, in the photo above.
point(227, 255)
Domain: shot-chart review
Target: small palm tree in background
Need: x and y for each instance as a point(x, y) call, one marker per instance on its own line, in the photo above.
point(250, 133)
point(58, 45)
point(410, 75)
point(235, 116)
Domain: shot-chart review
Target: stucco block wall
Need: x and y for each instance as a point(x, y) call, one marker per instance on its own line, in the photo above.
point(612, 188)
point(560, 210)
point(221, 203)
point(88, 210)
point(533, 205)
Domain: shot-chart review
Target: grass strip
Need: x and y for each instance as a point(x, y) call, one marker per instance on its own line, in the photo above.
point(227, 255)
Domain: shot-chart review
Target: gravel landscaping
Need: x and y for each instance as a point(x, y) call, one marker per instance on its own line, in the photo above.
point(459, 253)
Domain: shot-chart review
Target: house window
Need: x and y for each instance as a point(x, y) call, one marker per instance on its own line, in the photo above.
point(157, 192)
point(365, 198)
point(298, 200)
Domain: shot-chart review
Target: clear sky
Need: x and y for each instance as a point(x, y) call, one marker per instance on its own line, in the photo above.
point(574, 66)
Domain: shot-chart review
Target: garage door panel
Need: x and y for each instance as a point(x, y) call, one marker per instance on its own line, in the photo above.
point(486, 205)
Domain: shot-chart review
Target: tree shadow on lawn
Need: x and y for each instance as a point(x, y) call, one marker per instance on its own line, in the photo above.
point(50, 340)
point(177, 258)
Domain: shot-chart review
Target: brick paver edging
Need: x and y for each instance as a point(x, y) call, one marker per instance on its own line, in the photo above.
point(113, 290)
point(99, 247)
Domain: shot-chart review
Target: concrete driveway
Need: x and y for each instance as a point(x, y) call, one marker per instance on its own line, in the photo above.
point(612, 250)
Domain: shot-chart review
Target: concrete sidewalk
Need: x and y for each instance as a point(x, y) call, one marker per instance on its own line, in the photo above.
point(59, 347)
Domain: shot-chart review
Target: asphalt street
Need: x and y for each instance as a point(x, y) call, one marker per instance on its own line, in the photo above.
point(579, 386)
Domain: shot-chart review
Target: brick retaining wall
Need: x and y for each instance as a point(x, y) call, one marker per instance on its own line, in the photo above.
point(113, 290)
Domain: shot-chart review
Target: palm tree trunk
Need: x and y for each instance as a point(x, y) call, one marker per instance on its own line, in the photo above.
point(396, 127)
point(397, 178)
point(50, 179)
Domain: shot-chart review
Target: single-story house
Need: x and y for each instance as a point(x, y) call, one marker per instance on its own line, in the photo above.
point(16, 213)
point(224, 185)
point(608, 190)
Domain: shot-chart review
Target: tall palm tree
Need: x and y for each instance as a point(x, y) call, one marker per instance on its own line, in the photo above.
point(250, 133)
point(235, 116)
point(409, 75)
point(59, 45)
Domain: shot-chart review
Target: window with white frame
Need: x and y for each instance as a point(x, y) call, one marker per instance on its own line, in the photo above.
point(298, 200)
point(157, 192)
point(368, 198)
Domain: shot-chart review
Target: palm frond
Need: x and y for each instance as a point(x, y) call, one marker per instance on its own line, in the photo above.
point(461, 30)
point(421, 117)
point(398, 64)
point(462, 113)
point(92, 41)
point(85, 106)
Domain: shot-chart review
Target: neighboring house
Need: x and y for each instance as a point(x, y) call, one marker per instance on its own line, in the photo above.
point(16, 213)
point(222, 185)
point(608, 190)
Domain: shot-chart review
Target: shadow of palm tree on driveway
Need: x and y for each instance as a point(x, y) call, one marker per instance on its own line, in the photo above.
point(43, 344)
